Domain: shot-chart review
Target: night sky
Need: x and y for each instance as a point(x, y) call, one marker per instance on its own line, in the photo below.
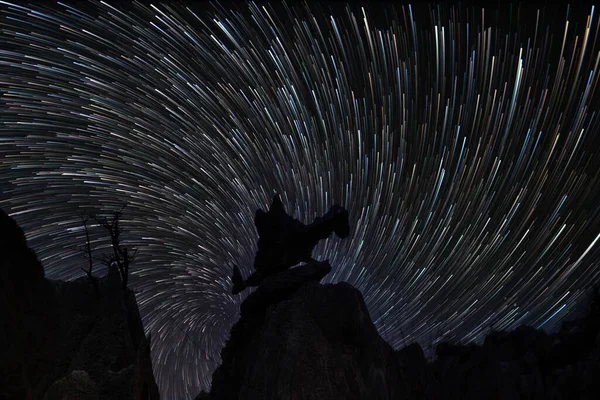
point(464, 142)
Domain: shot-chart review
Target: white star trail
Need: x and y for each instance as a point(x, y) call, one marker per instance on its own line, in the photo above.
point(464, 143)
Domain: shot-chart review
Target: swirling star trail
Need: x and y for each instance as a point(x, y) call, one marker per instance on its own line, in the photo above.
point(464, 142)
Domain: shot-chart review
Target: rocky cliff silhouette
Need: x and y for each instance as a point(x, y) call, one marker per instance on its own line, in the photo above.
point(61, 340)
point(299, 339)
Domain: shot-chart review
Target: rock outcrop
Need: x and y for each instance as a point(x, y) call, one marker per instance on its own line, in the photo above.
point(298, 339)
point(526, 363)
point(57, 338)
point(285, 241)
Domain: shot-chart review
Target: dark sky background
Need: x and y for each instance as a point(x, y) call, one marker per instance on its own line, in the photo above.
point(465, 144)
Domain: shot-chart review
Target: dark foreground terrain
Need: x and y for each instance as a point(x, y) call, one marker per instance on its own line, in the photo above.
point(63, 340)
point(299, 339)
point(296, 339)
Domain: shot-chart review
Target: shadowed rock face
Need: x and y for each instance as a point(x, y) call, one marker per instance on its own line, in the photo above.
point(75, 386)
point(523, 364)
point(61, 335)
point(298, 339)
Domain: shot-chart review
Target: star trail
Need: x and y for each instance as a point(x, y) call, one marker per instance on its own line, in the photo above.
point(463, 141)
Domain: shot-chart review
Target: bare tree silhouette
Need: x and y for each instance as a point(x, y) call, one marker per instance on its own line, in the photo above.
point(120, 258)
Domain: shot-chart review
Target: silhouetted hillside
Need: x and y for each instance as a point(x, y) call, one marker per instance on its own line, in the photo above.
point(60, 340)
point(298, 339)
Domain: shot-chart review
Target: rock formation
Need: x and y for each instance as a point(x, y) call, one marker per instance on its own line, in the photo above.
point(526, 363)
point(59, 339)
point(296, 338)
point(284, 241)
point(299, 339)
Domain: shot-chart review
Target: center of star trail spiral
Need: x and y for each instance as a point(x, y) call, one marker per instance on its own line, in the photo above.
point(464, 143)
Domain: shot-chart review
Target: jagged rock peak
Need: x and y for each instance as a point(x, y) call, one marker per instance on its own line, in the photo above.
point(297, 338)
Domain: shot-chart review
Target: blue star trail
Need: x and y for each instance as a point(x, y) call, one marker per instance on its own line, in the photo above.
point(464, 142)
